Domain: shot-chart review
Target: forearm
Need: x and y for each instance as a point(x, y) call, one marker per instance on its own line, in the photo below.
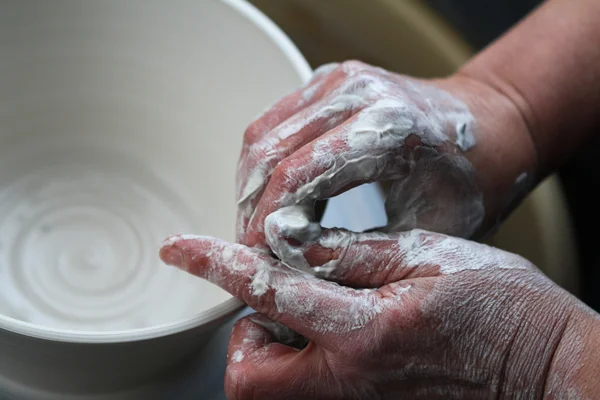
point(548, 66)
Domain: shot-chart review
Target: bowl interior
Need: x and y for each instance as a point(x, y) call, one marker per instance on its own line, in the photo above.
point(120, 124)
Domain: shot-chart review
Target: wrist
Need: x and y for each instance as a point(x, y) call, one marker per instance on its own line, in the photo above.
point(547, 67)
point(575, 367)
point(551, 351)
point(504, 155)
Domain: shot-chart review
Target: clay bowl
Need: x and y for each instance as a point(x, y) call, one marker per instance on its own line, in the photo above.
point(121, 123)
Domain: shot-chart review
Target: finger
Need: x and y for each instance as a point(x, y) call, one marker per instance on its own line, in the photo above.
point(374, 144)
point(256, 337)
point(349, 89)
point(316, 309)
point(249, 178)
point(258, 162)
point(254, 355)
point(280, 332)
point(260, 366)
point(374, 259)
point(318, 87)
point(369, 260)
point(289, 105)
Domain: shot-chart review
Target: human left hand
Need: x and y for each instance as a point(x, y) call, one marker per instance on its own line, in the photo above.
point(410, 315)
point(456, 154)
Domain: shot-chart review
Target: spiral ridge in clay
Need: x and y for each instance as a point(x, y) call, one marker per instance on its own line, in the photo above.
point(79, 240)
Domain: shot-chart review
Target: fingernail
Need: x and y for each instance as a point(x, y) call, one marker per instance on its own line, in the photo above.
point(171, 254)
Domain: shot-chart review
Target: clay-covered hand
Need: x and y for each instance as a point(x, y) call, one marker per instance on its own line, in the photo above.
point(410, 315)
point(354, 123)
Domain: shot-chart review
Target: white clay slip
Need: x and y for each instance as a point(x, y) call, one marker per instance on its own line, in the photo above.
point(374, 126)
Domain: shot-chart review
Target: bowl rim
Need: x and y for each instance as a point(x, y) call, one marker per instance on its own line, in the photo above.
point(222, 310)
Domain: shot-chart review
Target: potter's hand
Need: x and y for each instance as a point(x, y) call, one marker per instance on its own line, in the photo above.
point(439, 317)
point(353, 123)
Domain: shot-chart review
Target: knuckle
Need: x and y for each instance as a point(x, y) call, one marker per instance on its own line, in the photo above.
point(253, 132)
point(363, 79)
point(261, 157)
point(352, 66)
point(239, 384)
point(366, 84)
point(326, 69)
point(256, 153)
point(239, 326)
point(283, 175)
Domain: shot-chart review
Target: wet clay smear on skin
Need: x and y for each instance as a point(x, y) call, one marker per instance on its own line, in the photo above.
point(374, 126)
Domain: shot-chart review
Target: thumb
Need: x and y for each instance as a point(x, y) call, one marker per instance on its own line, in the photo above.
point(374, 259)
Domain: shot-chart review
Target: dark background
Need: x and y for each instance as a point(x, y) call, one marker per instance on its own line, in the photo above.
point(480, 22)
